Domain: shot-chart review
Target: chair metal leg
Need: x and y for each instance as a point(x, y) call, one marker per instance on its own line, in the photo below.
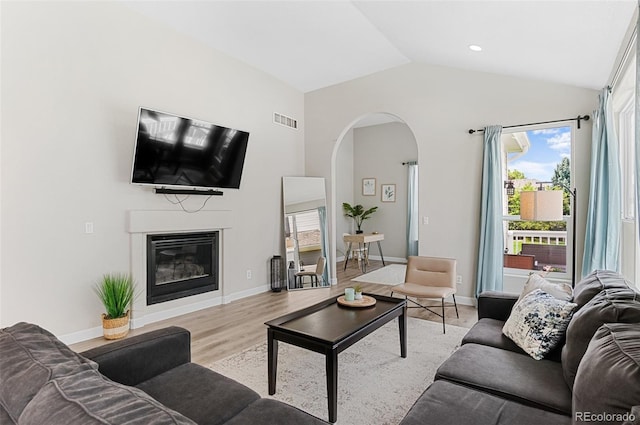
point(443, 306)
point(456, 305)
point(444, 331)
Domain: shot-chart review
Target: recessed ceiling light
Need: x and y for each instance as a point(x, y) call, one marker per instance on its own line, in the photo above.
point(475, 48)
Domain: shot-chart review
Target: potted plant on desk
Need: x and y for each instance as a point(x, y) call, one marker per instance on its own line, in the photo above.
point(116, 291)
point(358, 213)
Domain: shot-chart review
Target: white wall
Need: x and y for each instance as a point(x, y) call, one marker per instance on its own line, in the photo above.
point(379, 152)
point(73, 77)
point(439, 105)
point(344, 191)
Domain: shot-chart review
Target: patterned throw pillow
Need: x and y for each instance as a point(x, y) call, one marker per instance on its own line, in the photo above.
point(538, 322)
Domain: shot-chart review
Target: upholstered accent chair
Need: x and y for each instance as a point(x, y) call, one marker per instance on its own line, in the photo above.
point(429, 278)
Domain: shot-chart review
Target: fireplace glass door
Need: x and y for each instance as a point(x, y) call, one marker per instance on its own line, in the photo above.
point(179, 265)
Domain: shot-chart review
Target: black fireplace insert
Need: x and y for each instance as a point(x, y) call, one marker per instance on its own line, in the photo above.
point(180, 265)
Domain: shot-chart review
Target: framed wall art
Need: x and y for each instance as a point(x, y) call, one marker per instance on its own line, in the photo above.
point(388, 193)
point(369, 186)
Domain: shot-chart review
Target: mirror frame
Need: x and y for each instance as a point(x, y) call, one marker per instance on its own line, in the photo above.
point(304, 194)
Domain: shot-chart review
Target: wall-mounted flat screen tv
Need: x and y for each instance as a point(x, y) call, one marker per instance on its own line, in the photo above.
point(174, 151)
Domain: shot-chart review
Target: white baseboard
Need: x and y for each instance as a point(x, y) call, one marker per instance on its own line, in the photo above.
point(463, 300)
point(81, 336)
point(459, 300)
point(139, 322)
point(91, 333)
point(392, 259)
point(378, 258)
point(201, 305)
point(246, 293)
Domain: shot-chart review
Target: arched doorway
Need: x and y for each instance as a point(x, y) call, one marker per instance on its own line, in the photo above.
point(373, 148)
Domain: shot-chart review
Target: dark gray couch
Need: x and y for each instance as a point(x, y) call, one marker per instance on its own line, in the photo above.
point(594, 377)
point(145, 379)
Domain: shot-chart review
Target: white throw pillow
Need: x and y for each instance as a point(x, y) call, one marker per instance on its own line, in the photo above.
point(538, 322)
point(561, 291)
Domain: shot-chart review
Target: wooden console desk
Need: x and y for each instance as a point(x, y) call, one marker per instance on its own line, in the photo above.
point(363, 240)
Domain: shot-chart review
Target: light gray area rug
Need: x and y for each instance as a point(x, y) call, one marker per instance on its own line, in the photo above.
point(393, 274)
point(375, 385)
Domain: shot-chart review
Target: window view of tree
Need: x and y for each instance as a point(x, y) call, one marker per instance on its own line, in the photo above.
point(536, 160)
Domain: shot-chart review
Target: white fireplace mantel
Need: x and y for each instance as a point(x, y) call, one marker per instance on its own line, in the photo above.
point(141, 223)
point(154, 221)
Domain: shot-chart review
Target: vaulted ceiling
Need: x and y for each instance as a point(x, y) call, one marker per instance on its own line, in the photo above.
point(314, 44)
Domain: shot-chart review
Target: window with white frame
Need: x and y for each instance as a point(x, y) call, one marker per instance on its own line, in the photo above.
point(626, 127)
point(536, 160)
point(623, 103)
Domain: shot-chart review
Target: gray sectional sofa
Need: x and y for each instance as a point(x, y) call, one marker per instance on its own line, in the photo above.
point(594, 377)
point(145, 379)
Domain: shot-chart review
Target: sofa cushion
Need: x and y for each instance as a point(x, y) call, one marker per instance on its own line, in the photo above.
point(594, 283)
point(561, 291)
point(517, 377)
point(272, 412)
point(489, 332)
point(88, 398)
point(31, 356)
point(446, 403)
point(611, 305)
point(538, 322)
point(5, 418)
point(183, 389)
point(634, 417)
point(612, 361)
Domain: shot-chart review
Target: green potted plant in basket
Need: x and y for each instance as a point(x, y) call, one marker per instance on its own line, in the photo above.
point(116, 291)
point(357, 213)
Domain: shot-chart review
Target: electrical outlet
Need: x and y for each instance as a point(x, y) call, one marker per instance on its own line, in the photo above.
point(459, 280)
point(249, 274)
point(425, 219)
point(88, 227)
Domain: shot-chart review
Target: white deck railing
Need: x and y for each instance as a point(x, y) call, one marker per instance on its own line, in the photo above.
point(515, 238)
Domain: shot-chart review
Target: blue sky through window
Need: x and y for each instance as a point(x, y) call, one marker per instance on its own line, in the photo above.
point(548, 147)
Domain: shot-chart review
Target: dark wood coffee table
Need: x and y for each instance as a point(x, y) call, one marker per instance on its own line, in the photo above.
point(329, 328)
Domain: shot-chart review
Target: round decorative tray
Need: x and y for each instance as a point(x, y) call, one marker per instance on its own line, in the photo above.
point(366, 301)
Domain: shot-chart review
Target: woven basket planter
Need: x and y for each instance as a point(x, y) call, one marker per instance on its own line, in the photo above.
point(115, 328)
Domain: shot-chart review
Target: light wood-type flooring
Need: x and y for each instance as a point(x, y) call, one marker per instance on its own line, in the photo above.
point(220, 331)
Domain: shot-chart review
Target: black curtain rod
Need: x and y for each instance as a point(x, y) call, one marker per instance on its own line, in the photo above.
point(410, 162)
point(579, 118)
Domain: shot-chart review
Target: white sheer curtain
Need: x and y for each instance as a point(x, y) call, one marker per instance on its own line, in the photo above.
point(412, 208)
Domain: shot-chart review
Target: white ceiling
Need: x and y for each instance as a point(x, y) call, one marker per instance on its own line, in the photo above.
point(314, 44)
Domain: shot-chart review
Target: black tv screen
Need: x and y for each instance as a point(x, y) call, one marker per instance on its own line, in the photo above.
point(184, 152)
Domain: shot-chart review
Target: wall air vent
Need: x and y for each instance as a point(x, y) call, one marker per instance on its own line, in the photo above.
point(285, 120)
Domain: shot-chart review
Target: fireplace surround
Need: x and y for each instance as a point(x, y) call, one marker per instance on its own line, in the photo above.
point(142, 223)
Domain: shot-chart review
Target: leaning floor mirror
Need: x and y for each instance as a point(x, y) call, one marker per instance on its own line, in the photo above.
point(306, 235)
